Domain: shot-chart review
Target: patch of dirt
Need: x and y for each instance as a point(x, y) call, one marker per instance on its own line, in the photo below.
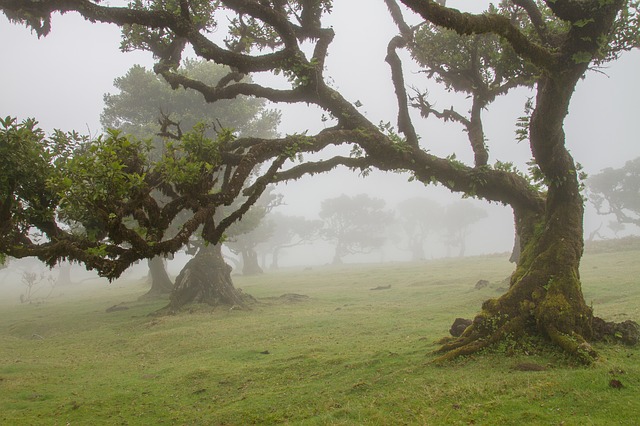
point(616, 384)
point(481, 284)
point(529, 366)
point(381, 287)
point(115, 308)
point(293, 298)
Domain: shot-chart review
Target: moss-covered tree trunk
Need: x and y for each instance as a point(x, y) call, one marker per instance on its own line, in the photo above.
point(161, 285)
point(206, 279)
point(545, 296)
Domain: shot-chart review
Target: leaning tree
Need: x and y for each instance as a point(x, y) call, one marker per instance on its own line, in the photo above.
point(559, 39)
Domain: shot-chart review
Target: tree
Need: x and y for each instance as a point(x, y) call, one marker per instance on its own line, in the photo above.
point(104, 203)
point(457, 219)
point(560, 39)
point(158, 278)
point(287, 232)
point(144, 99)
point(355, 224)
point(419, 217)
point(617, 192)
point(245, 235)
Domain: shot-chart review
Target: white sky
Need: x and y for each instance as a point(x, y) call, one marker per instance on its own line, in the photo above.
point(60, 80)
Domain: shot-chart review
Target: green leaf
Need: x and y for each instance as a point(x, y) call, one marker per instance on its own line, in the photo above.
point(582, 57)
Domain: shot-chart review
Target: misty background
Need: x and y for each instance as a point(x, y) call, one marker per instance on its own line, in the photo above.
point(60, 80)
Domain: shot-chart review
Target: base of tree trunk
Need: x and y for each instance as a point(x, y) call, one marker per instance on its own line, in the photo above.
point(206, 279)
point(161, 285)
point(626, 332)
point(251, 265)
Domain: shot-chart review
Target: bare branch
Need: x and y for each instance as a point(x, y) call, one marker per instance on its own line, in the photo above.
point(404, 119)
point(536, 18)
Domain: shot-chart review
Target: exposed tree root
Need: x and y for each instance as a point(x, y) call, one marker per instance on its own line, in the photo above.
point(206, 279)
point(478, 336)
point(483, 333)
point(573, 344)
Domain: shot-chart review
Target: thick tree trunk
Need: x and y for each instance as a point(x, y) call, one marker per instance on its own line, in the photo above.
point(515, 252)
point(250, 265)
point(206, 279)
point(545, 296)
point(161, 285)
point(342, 249)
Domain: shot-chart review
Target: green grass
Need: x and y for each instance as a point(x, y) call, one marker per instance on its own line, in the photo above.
point(347, 355)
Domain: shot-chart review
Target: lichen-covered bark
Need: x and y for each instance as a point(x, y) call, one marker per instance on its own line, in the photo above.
point(545, 296)
point(206, 279)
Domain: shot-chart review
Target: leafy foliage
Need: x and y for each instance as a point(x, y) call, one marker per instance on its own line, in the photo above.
point(106, 194)
point(143, 97)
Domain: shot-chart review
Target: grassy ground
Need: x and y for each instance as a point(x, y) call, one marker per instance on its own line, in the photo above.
point(343, 355)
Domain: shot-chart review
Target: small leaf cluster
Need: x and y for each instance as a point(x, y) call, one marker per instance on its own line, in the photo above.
point(193, 162)
point(101, 177)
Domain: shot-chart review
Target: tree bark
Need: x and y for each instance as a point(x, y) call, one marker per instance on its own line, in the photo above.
point(545, 296)
point(206, 279)
point(515, 252)
point(250, 265)
point(161, 285)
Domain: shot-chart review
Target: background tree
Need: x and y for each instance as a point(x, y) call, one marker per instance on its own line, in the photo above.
point(143, 100)
point(288, 232)
point(458, 217)
point(355, 224)
point(245, 235)
point(561, 39)
point(419, 218)
point(617, 192)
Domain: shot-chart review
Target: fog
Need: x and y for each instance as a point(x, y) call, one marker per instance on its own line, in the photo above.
point(61, 79)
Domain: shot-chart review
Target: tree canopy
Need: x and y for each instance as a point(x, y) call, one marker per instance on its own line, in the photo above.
point(96, 201)
point(550, 44)
point(143, 99)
